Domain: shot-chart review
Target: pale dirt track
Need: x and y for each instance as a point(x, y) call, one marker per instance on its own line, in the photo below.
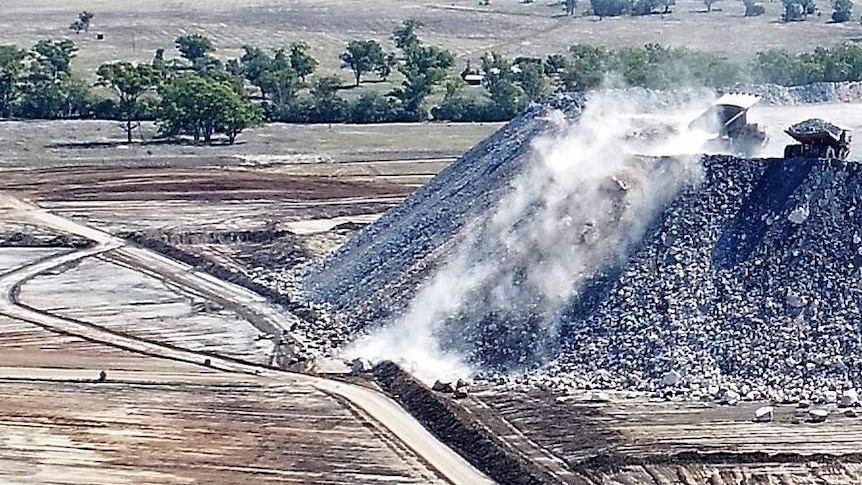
point(380, 408)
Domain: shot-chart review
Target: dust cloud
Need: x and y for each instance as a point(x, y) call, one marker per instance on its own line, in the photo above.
point(583, 198)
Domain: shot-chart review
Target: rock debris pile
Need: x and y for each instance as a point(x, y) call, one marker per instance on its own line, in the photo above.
point(813, 127)
point(744, 285)
point(748, 284)
point(824, 92)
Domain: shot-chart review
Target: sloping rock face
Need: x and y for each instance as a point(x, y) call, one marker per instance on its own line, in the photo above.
point(745, 277)
point(375, 274)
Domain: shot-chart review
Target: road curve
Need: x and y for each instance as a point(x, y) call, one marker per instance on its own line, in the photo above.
point(378, 406)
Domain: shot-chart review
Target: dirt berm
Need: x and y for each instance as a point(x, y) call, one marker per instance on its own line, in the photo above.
point(455, 426)
point(168, 247)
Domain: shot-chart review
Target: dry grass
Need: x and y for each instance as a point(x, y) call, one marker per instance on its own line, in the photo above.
point(49, 142)
point(135, 29)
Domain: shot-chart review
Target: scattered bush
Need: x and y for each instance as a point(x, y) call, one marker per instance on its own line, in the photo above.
point(753, 9)
point(611, 8)
point(842, 10)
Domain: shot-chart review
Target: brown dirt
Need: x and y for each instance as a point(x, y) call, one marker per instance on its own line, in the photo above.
point(203, 184)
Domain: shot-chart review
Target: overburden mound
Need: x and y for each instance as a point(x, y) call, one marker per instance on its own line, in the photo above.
point(747, 277)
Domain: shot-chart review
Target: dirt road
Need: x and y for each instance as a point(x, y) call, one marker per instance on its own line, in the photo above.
point(375, 405)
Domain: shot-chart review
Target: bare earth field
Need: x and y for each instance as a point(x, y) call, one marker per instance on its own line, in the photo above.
point(161, 421)
point(172, 404)
point(636, 440)
point(125, 300)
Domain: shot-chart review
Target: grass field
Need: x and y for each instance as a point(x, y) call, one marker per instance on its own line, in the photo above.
point(133, 30)
point(50, 142)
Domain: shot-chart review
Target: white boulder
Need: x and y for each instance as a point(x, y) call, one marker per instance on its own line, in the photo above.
point(764, 414)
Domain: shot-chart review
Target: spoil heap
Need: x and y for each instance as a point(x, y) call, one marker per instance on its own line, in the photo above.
point(374, 274)
point(751, 280)
point(747, 279)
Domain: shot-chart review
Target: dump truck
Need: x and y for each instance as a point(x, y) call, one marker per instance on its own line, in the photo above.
point(726, 122)
point(818, 139)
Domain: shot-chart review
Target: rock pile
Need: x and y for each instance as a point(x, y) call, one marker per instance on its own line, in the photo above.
point(733, 290)
point(374, 274)
point(812, 127)
point(824, 92)
point(747, 285)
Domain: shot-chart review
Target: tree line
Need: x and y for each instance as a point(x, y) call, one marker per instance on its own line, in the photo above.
point(204, 98)
point(792, 11)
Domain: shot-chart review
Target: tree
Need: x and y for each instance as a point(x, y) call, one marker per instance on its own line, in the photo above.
point(842, 10)
point(648, 7)
point(837, 64)
point(52, 57)
point(666, 5)
point(507, 98)
point(797, 10)
point(194, 46)
point(556, 64)
point(236, 114)
point(129, 82)
point(201, 107)
point(327, 106)
point(384, 70)
point(51, 98)
point(372, 108)
point(281, 83)
point(424, 68)
point(11, 65)
point(159, 59)
point(611, 8)
point(709, 4)
point(460, 106)
point(588, 67)
point(405, 37)
point(362, 56)
point(82, 22)
point(301, 60)
point(784, 68)
point(48, 90)
point(753, 9)
point(530, 76)
point(255, 62)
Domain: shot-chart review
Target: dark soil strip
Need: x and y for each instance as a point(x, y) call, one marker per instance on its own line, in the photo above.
point(20, 239)
point(453, 425)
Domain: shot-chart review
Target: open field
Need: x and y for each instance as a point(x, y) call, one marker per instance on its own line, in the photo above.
point(163, 414)
point(124, 300)
point(37, 143)
point(133, 30)
point(178, 431)
point(636, 440)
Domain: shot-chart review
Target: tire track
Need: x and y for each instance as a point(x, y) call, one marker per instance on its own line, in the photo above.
point(381, 409)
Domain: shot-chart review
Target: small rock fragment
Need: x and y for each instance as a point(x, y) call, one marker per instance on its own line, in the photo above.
point(818, 415)
point(764, 414)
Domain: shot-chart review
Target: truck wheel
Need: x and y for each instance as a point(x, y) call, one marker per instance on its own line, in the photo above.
point(829, 152)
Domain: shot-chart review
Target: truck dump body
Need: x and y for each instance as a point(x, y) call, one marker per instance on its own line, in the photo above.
point(818, 139)
point(727, 122)
point(814, 130)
